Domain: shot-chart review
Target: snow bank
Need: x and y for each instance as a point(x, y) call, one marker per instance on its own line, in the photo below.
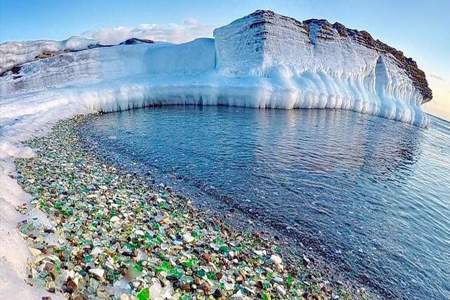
point(16, 53)
point(253, 62)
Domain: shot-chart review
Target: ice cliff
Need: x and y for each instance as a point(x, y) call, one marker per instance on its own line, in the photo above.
point(262, 60)
point(315, 64)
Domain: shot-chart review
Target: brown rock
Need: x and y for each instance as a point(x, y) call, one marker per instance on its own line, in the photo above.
point(206, 288)
point(71, 285)
point(217, 293)
point(186, 287)
point(240, 279)
point(206, 257)
point(49, 267)
point(259, 284)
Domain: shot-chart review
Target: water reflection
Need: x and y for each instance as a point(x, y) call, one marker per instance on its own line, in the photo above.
point(367, 193)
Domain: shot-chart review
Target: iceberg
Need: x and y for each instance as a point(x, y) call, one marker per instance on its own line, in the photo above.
point(263, 60)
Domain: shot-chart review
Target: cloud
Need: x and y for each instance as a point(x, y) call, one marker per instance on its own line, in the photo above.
point(176, 33)
point(436, 77)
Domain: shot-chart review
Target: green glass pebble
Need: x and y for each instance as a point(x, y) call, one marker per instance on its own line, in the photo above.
point(144, 294)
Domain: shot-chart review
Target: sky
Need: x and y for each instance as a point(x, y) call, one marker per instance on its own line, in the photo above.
point(420, 28)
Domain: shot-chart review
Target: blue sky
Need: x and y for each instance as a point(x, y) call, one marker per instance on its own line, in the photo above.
point(421, 29)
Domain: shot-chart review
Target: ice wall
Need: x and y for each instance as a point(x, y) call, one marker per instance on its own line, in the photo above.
point(185, 59)
point(263, 60)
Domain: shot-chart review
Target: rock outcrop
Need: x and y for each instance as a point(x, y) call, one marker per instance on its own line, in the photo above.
point(134, 41)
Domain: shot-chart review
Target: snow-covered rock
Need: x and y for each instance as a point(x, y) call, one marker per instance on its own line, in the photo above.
point(16, 53)
point(314, 64)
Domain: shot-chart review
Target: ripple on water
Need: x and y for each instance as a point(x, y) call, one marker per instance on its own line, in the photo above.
point(370, 193)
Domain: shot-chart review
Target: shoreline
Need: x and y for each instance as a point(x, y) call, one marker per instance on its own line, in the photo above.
point(112, 234)
point(298, 249)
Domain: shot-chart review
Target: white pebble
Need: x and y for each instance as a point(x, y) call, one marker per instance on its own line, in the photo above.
point(96, 251)
point(97, 272)
point(139, 232)
point(281, 290)
point(124, 297)
point(115, 219)
point(188, 238)
point(276, 259)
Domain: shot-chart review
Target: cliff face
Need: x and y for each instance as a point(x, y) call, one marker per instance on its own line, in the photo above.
point(264, 39)
point(364, 38)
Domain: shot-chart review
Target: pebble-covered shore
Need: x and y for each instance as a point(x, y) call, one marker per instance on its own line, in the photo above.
point(112, 236)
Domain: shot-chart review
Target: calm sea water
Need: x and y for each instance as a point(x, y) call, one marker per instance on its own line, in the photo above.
point(369, 194)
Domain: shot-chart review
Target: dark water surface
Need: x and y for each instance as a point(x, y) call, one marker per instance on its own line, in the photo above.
point(371, 195)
